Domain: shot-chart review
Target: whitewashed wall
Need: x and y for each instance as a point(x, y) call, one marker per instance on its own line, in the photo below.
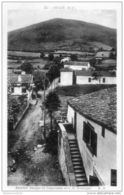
point(109, 80)
point(17, 90)
point(66, 78)
point(85, 80)
point(76, 67)
point(106, 151)
point(70, 115)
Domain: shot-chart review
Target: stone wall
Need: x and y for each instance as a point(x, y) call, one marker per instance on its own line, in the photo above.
point(64, 157)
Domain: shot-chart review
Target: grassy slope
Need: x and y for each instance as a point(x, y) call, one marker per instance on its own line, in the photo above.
point(77, 90)
point(57, 33)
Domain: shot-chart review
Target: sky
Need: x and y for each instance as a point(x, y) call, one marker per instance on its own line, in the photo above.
point(21, 16)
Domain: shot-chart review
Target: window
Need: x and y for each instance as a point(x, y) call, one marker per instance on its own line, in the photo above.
point(90, 137)
point(103, 80)
point(12, 89)
point(113, 177)
point(89, 80)
point(23, 90)
point(103, 131)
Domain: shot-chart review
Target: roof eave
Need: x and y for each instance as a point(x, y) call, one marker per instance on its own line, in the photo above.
point(90, 118)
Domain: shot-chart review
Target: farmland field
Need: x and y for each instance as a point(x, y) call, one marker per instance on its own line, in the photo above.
point(24, 54)
point(38, 62)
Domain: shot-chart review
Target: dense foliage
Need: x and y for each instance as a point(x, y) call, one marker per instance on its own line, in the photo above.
point(40, 80)
point(27, 67)
point(52, 104)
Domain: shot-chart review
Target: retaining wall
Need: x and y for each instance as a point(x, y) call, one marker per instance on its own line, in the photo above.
point(64, 157)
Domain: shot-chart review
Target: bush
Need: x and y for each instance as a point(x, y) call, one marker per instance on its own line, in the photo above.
point(52, 143)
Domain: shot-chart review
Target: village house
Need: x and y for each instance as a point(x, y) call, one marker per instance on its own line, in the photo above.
point(66, 77)
point(82, 77)
point(101, 77)
point(77, 65)
point(93, 117)
point(20, 84)
point(66, 59)
point(103, 55)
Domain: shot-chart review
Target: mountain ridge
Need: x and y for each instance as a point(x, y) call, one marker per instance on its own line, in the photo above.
point(59, 33)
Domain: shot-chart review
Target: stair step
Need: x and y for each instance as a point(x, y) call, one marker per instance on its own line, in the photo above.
point(78, 179)
point(79, 172)
point(71, 143)
point(76, 156)
point(77, 162)
point(74, 146)
point(82, 184)
point(72, 140)
point(80, 175)
point(75, 152)
point(78, 167)
point(77, 159)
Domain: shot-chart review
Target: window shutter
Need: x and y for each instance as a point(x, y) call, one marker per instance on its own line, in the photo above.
point(86, 132)
point(113, 177)
point(94, 142)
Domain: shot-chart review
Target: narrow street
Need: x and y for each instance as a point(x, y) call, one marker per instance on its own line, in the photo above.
point(34, 167)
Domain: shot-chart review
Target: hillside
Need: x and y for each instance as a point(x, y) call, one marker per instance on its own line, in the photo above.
point(61, 34)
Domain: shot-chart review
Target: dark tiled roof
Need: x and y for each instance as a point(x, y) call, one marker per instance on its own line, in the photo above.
point(66, 70)
point(83, 73)
point(76, 63)
point(99, 107)
point(13, 79)
point(89, 73)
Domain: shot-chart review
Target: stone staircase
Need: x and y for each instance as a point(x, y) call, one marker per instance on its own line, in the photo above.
point(79, 171)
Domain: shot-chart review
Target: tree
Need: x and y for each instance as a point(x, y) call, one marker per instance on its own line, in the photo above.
point(52, 104)
point(27, 67)
point(42, 55)
point(93, 62)
point(73, 57)
point(13, 109)
point(51, 57)
point(53, 72)
point(96, 75)
point(113, 55)
point(40, 79)
point(57, 61)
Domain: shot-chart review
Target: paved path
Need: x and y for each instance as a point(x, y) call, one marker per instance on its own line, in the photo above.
point(34, 167)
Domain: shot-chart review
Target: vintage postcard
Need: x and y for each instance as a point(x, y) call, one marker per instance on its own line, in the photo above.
point(61, 95)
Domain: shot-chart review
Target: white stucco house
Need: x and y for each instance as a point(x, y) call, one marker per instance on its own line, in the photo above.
point(87, 77)
point(66, 77)
point(66, 59)
point(20, 84)
point(82, 77)
point(94, 121)
point(77, 65)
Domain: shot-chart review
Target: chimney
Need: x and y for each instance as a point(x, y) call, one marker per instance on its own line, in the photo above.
point(23, 73)
point(19, 78)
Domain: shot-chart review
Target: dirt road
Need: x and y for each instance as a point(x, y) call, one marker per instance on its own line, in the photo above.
point(34, 167)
